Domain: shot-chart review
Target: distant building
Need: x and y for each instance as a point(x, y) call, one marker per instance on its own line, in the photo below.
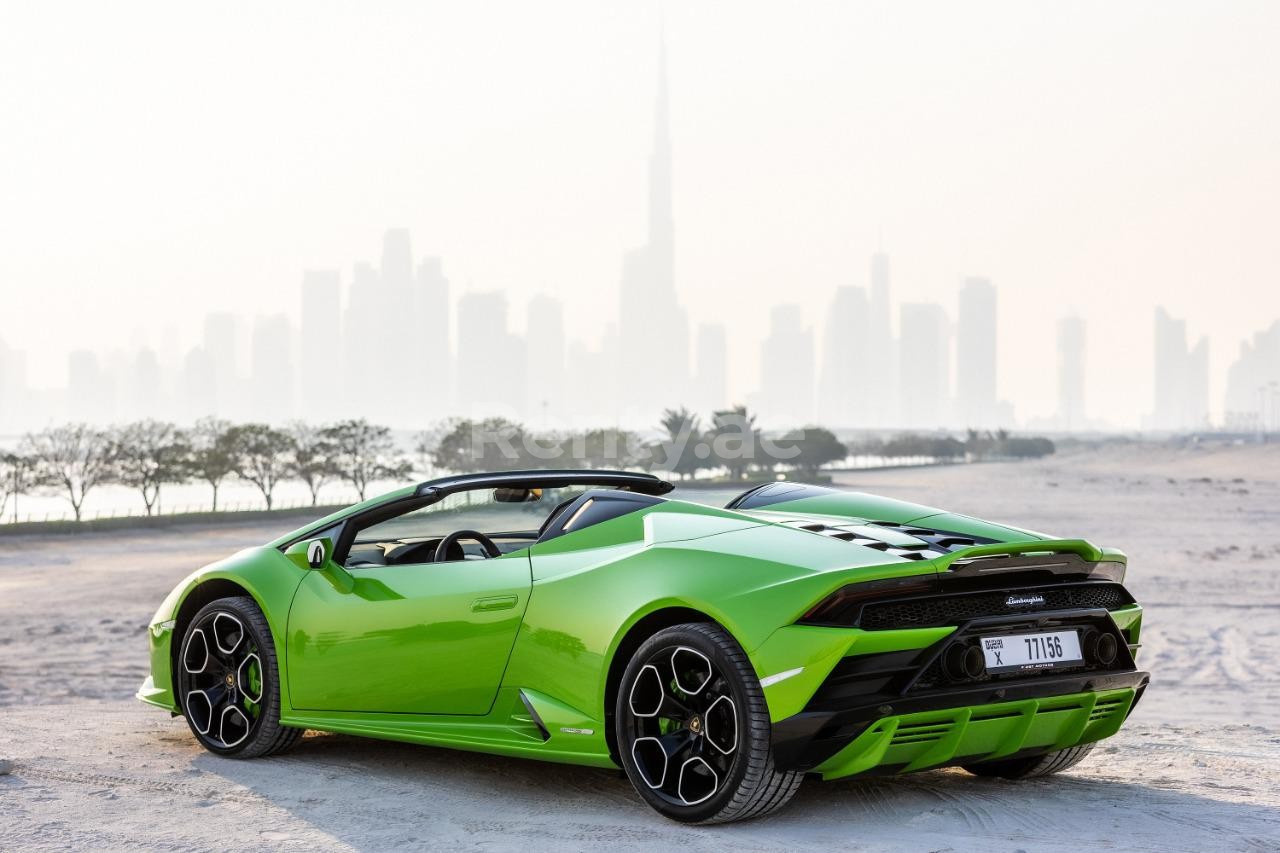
point(653, 328)
point(924, 366)
point(199, 397)
point(320, 347)
point(491, 361)
point(1071, 367)
point(545, 354)
point(881, 375)
point(365, 383)
point(145, 386)
point(846, 362)
point(1181, 386)
point(711, 374)
point(90, 390)
point(1252, 400)
point(221, 345)
point(13, 389)
point(976, 397)
point(433, 352)
point(786, 370)
point(271, 370)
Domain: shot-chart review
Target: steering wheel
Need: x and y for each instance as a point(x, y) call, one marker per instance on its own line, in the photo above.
point(442, 550)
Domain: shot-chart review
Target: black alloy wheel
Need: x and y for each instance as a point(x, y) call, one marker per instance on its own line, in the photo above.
point(226, 681)
point(693, 729)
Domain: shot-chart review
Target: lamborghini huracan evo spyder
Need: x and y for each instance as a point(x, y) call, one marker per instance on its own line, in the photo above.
point(717, 655)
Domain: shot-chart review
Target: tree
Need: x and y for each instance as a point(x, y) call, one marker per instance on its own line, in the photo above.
point(312, 461)
point(679, 452)
point(18, 476)
point(213, 453)
point(817, 447)
point(607, 448)
point(262, 456)
point(734, 439)
point(362, 453)
point(74, 458)
point(492, 444)
point(911, 444)
point(148, 455)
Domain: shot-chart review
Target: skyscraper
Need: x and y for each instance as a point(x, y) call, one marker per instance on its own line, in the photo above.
point(271, 370)
point(711, 378)
point(321, 346)
point(786, 370)
point(432, 350)
point(846, 358)
point(648, 309)
point(491, 364)
point(362, 337)
point(976, 399)
point(221, 345)
point(13, 388)
point(90, 391)
point(924, 371)
point(1071, 349)
point(545, 350)
point(1181, 386)
point(881, 377)
point(144, 385)
point(1253, 384)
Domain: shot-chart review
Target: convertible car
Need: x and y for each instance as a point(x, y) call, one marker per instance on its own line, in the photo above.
point(718, 656)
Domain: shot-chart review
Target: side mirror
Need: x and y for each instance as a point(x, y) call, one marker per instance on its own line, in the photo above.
point(318, 552)
point(311, 553)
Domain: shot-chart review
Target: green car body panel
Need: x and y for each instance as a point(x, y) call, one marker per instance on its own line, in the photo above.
point(518, 655)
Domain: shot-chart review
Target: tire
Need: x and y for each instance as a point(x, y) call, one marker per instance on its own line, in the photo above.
point(228, 681)
point(691, 716)
point(1032, 766)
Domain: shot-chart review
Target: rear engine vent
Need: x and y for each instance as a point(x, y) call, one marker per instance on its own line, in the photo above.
point(953, 609)
point(898, 540)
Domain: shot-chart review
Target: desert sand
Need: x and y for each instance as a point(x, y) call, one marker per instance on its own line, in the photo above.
point(82, 764)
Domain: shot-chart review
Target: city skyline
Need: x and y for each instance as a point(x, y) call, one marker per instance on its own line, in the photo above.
point(744, 225)
point(469, 361)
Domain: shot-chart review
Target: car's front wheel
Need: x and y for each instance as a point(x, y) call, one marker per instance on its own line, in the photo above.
point(227, 681)
point(693, 729)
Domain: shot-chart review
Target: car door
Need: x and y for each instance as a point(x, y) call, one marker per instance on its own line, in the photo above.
point(426, 637)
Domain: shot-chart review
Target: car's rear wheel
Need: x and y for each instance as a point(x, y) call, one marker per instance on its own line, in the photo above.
point(228, 685)
point(693, 729)
point(1032, 766)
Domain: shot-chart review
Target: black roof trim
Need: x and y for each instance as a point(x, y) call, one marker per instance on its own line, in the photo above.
point(645, 484)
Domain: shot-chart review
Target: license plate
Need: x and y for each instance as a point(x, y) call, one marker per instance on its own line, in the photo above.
point(1031, 651)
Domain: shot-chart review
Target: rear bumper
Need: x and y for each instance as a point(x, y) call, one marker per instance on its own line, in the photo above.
point(905, 742)
point(824, 740)
point(848, 724)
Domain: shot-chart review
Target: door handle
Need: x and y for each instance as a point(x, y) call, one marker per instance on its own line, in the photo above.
point(494, 602)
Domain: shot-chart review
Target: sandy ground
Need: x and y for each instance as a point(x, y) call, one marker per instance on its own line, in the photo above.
point(1197, 767)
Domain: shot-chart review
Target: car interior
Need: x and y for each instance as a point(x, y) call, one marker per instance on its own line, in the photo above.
point(479, 524)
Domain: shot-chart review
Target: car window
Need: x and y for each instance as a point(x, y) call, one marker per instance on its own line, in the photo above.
point(409, 537)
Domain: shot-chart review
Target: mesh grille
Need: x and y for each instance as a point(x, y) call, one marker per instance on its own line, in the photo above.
point(948, 610)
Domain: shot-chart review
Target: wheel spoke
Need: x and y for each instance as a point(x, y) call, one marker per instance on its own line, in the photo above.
point(195, 657)
point(249, 678)
point(720, 725)
point(228, 632)
point(692, 670)
point(696, 781)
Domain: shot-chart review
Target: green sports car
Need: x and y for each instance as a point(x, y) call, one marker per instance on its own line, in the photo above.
point(717, 655)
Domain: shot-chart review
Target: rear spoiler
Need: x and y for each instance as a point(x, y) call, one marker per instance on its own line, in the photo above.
point(1059, 556)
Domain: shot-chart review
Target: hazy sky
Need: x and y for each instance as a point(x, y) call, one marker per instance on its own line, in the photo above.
point(161, 160)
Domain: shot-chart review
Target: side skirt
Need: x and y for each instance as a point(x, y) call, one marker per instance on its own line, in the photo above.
point(522, 724)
